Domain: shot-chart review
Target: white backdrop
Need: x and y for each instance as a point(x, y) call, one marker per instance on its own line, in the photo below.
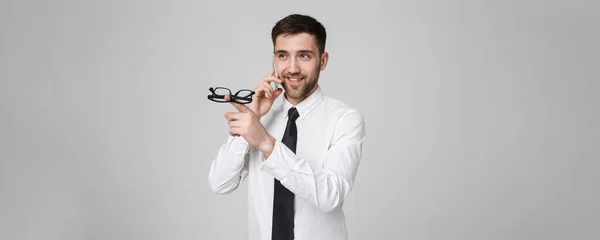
point(482, 116)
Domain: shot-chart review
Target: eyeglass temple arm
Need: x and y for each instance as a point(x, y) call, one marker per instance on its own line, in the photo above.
point(211, 96)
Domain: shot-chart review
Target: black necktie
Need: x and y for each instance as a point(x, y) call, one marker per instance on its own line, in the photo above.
point(283, 199)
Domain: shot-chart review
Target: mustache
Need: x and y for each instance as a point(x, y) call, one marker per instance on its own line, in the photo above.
point(294, 76)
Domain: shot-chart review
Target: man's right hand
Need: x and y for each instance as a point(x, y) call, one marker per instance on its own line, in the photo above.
point(264, 95)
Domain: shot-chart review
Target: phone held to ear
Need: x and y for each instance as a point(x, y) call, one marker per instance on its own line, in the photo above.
point(275, 85)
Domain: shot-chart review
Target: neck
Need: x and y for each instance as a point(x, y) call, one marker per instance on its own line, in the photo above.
point(296, 101)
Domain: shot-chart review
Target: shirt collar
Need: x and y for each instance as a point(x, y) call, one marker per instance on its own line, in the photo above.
point(307, 105)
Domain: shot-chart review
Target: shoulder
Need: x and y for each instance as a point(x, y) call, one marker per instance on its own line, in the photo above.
point(343, 116)
point(340, 109)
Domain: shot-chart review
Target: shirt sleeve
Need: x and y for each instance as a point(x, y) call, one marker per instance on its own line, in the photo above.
point(328, 188)
point(230, 167)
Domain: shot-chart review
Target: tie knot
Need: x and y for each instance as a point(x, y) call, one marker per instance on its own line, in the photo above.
point(293, 114)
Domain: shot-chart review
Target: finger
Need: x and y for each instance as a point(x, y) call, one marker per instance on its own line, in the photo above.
point(241, 107)
point(237, 132)
point(234, 132)
point(262, 90)
point(259, 91)
point(270, 79)
point(266, 84)
point(277, 92)
point(234, 124)
point(233, 116)
point(267, 89)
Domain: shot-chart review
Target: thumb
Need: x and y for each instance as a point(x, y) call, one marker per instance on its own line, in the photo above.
point(276, 93)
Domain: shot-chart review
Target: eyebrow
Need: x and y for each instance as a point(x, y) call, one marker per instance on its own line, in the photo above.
point(300, 51)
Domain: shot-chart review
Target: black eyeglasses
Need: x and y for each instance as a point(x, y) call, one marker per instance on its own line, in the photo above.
point(243, 96)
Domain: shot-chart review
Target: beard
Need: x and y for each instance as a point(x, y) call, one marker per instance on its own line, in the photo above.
point(304, 88)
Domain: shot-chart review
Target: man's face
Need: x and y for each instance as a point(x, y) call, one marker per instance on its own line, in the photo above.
point(298, 63)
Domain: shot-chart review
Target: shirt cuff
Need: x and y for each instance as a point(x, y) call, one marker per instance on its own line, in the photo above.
point(238, 144)
point(281, 161)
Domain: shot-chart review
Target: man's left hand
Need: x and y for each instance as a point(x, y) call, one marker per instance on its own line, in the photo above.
point(247, 124)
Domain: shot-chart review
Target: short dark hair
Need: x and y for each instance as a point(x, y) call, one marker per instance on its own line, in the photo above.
point(297, 23)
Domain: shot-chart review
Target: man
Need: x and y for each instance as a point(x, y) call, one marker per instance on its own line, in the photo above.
point(301, 156)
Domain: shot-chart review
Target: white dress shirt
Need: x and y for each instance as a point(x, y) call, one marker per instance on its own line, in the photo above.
point(321, 173)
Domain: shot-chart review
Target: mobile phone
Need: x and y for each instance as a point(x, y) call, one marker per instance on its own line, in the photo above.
point(275, 85)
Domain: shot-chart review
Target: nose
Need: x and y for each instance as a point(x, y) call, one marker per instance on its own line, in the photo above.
point(293, 69)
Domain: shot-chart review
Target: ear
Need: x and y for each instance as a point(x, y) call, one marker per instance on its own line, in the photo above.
point(324, 59)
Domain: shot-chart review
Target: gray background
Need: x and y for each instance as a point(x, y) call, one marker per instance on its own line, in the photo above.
point(482, 116)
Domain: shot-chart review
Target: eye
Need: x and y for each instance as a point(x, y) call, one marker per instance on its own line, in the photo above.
point(304, 56)
point(281, 56)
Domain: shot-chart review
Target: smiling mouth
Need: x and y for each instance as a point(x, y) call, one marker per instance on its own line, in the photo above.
point(294, 80)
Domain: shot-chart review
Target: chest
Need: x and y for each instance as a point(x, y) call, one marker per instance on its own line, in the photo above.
point(314, 136)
